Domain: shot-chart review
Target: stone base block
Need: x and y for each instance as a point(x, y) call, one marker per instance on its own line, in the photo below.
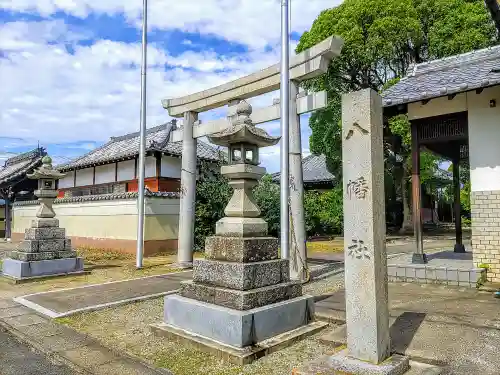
point(341, 363)
point(18, 269)
point(33, 246)
point(241, 227)
point(238, 356)
point(28, 246)
point(241, 276)
point(52, 245)
point(45, 234)
point(241, 249)
point(241, 300)
point(29, 257)
point(45, 223)
point(237, 328)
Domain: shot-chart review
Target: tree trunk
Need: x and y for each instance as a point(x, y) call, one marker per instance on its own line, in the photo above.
point(407, 216)
point(494, 9)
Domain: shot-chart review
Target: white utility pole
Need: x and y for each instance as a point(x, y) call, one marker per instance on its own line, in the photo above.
point(142, 146)
point(285, 115)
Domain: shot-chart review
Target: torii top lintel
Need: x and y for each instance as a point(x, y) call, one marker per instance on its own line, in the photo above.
point(307, 64)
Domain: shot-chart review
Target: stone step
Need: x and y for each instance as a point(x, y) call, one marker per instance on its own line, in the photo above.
point(45, 255)
point(241, 249)
point(44, 233)
point(33, 246)
point(241, 300)
point(241, 276)
point(45, 223)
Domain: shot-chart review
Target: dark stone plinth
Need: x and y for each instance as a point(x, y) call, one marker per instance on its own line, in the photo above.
point(241, 276)
point(459, 248)
point(418, 258)
point(47, 233)
point(46, 255)
point(241, 249)
point(241, 300)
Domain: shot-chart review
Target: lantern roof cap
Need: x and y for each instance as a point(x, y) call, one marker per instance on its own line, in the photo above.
point(242, 130)
point(46, 171)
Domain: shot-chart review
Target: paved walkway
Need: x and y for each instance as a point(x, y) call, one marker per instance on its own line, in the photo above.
point(76, 350)
point(457, 328)
point(446, 258)
point(17, 358)
point(66, 302)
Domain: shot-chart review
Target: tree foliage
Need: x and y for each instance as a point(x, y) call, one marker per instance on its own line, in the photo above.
point(212, 195)
point(381, 40)
point(267, 197)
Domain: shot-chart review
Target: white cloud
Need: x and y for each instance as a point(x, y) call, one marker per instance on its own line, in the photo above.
point(254, 23)
point(53, 95)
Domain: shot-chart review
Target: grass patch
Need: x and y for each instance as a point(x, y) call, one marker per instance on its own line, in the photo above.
point(126, 328)
point(96, 255)
point(325, 246)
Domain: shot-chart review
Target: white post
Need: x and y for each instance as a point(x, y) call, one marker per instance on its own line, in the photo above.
point(298, 256)
point(284, 103)
point(142, 145)
point(188, 193)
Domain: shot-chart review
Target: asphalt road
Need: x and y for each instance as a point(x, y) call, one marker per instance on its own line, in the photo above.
point(20, 359)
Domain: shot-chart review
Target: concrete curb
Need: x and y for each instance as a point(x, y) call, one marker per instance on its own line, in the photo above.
point(56, 356)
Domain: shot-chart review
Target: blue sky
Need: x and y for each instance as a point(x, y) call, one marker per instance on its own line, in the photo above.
point(70, 70)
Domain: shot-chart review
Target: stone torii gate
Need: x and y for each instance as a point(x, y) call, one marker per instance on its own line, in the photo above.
point(305, 65)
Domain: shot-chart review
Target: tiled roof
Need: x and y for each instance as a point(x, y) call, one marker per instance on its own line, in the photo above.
point(451, 75)
point(127, 146)
point(19, 165)
point(104, 197)
point(313, 169)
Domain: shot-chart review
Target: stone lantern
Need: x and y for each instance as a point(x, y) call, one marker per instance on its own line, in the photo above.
point(45, 250)
point(46, 193)
point(241, 293)
point(243, 140)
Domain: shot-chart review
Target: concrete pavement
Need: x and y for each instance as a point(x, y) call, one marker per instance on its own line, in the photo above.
point(17, 358)
point(455, 328)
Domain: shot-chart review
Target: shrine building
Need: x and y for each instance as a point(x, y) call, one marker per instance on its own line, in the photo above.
point(453, 105)
point(97, 202)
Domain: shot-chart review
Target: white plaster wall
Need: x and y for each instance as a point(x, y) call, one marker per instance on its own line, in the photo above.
point(126, 170)
point(114, 219)
point(150, 166)
point(484, 140)
point(170, 167)
point(105, 173)
point(437, 107)
point(85, 177)
point(68, 181)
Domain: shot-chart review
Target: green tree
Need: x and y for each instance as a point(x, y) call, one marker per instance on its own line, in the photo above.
point(267, 197)
point(381, 41)
point(212, 195)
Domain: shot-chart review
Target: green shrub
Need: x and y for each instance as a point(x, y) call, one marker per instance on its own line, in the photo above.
point(323, 212)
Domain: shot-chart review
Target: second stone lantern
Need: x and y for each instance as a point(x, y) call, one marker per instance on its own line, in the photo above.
point(241, 293)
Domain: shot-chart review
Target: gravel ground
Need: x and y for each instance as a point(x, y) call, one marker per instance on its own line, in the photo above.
point(127, 328)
